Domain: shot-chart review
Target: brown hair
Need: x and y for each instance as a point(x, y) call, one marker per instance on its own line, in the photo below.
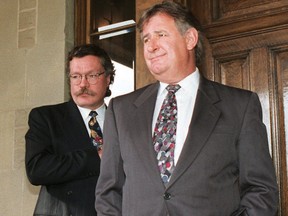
point(184, 20)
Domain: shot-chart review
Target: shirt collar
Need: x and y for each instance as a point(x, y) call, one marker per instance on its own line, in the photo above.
point(85, 112)
point(189, 83)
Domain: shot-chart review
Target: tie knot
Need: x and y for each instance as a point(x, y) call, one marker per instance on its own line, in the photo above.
point(173, 88)
point(93, 114)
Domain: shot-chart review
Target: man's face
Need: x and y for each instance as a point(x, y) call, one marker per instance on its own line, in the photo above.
point(166, 51)
point(84, 94)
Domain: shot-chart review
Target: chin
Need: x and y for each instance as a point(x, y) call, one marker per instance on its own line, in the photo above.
point(82, 102)
point(157, 72)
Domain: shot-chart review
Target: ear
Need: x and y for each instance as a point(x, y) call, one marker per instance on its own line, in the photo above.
point(108, 80)
point(191, 36)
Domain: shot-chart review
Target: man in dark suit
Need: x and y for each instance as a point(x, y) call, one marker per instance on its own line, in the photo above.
point(213, 161)
point(60, 155)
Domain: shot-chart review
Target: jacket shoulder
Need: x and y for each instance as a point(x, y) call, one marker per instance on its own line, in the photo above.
point(54, 110)
point(223, 89)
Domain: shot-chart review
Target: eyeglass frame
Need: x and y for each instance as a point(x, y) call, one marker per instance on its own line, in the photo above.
point(78, 78)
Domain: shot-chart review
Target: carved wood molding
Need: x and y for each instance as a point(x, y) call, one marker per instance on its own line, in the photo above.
point(232, 19)
point(244, 28)
point(227, 9)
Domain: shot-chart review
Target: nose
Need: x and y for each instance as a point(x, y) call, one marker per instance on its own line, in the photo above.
point(152, 45)
point(84, 81)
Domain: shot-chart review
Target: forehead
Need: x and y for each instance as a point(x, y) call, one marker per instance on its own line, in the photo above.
point(159, 21)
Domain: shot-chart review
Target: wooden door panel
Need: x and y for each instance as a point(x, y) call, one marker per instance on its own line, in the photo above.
point(233, 70)
point(279, 92)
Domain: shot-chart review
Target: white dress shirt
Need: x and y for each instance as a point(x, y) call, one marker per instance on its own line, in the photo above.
point(185, 97)
point(100, 117)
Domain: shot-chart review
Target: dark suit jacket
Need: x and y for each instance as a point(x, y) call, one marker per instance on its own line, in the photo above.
point(224, 169)
point(61, 158)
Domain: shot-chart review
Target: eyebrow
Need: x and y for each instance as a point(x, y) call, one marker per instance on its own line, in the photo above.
point(144, 36)
point(154, 32)
point(88, 72)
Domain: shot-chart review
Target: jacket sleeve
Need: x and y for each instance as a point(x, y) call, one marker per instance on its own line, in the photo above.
point(111, 180)
point(47, 161)
point(258, 186)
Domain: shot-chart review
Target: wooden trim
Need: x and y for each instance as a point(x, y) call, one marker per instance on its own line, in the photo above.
point(81, 24)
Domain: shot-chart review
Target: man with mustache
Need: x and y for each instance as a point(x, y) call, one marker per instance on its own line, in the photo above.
point(61, 156)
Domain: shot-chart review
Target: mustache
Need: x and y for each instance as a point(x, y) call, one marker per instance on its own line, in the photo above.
point(85, 91)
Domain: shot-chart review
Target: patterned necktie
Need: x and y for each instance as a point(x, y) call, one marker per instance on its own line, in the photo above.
point(96, 134)
point(164, 137)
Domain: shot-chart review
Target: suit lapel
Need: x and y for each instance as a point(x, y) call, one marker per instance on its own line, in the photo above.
point(204, 119)
point(142, 131)
point(75, 127)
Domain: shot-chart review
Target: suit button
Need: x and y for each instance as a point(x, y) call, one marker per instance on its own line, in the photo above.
point(167, 196)
point(69, 193)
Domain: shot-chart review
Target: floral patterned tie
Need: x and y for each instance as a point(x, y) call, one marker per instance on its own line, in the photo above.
point(164, 137)
point(96, 134)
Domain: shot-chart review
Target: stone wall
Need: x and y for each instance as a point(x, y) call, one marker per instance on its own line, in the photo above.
point(34, 38)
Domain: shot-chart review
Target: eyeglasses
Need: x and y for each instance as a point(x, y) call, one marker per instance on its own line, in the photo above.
point(76, 79)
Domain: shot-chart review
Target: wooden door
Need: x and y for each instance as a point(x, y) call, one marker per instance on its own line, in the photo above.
point(247, 47)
